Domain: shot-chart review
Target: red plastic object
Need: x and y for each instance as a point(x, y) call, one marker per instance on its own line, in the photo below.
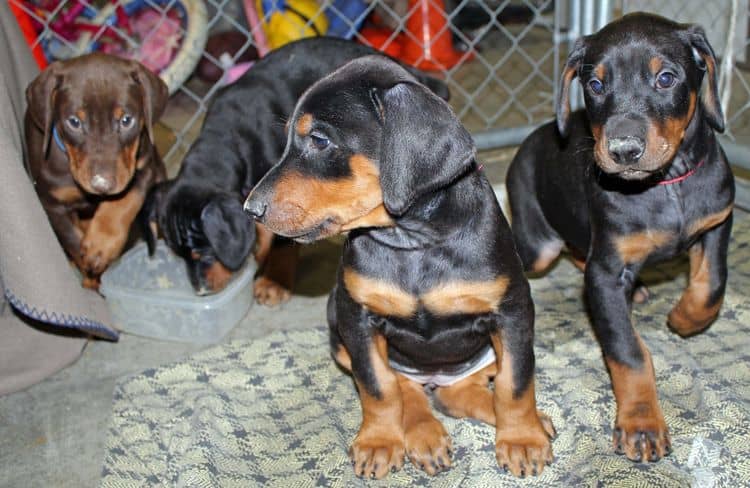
point(377, 37)
point(428, 44)
point(27, 28)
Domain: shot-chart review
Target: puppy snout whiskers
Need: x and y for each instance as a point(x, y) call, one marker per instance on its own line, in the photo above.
point(626, 150)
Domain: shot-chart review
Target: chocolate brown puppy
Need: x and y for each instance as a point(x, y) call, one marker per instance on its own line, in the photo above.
point(90, 147)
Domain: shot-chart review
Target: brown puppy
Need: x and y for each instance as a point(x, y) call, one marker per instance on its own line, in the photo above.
point(90, 146)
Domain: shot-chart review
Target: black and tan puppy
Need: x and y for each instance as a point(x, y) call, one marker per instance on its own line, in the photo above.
point(90, 147)
point(635, 179)
point(200, 212)
point(430, 289)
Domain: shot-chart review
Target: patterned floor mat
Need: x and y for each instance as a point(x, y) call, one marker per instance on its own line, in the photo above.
point(277, 412)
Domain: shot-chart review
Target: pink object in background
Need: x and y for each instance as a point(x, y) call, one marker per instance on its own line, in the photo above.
point(232, 74)
point(161, 36)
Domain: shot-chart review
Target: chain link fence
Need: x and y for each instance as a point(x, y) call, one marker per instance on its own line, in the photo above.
point(500, 58)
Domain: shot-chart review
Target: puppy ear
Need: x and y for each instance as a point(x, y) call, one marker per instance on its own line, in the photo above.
point(569, 73)
point(436, 85)
point(148, 216)
point(423, 147)
point(40, 98)
point(704, 56)
point(155, 95)
point(228, 230)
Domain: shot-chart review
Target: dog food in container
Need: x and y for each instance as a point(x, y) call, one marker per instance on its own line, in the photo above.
point(152, 297)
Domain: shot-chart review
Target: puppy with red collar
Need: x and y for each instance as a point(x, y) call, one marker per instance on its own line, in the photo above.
point(636, 178)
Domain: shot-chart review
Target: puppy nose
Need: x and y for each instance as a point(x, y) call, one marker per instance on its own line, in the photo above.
point(255, 207)
point(101, 184)
point(626, 150)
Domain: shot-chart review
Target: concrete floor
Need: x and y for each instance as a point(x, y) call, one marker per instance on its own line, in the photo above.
point(54, 433)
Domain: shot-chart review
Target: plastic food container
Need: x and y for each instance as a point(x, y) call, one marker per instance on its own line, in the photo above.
point(152, 297)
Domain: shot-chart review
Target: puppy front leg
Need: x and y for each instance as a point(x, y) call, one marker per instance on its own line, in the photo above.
point(702, 299)
point(640, 430)
point(428, 445)
point(277, 261)
point(522, 439)
point(108, 232)
point(379, 446)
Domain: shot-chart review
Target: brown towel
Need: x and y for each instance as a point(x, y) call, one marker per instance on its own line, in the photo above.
point(46, 327)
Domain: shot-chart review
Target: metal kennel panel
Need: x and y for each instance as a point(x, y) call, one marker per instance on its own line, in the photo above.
point(500, 58)
point(506, 55)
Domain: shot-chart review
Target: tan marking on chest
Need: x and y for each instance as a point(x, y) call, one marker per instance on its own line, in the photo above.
point(466, 297)
point(67, 194)
point(636, 247)
point(379, 296)
point(708, 222)
point(456, 297)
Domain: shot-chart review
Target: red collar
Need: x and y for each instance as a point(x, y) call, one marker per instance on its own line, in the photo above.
point(683, 177)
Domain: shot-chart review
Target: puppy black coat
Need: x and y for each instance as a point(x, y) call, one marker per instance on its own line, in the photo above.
point(429, 281)
point(200, 212)
point(637, 178)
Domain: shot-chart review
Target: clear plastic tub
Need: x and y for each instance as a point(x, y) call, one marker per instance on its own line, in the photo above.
point(152, 297)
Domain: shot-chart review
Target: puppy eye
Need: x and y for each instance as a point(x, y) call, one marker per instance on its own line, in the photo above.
point(665, 80)
point(596, 86)
point(320, 142)
point(126, 121)
point(73, 122)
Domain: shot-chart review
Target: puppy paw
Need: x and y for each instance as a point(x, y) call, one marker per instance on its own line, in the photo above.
point(641, 437)
point(526, 451)
point(95, 256)
point(268, 292)
point(547, 424)
point(641, 293)
point(428, 446)
point(98, 249)
point(91, 282)
point(375, 457)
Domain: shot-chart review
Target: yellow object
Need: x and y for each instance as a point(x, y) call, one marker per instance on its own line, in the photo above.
point(302, 18)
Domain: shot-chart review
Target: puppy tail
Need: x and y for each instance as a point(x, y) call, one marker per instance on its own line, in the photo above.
point(148, 217)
